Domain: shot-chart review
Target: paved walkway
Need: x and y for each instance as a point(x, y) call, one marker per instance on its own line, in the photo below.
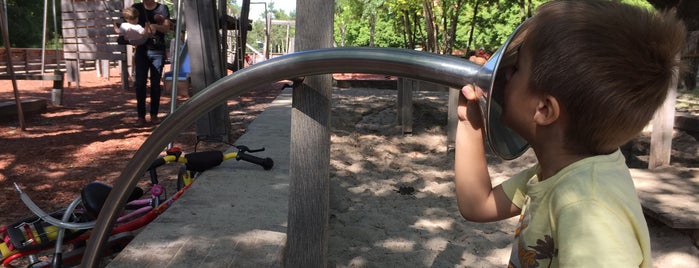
point(239, 210)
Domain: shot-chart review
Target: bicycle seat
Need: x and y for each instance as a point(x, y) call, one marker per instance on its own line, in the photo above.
point(94, 195)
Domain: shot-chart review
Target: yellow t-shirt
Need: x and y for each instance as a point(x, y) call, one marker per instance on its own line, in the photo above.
point(587, 215)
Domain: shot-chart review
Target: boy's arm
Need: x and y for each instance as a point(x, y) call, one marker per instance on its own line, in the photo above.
point(116, 27)
point(477, 199)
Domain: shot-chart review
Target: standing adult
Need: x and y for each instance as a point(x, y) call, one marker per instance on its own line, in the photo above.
point(150, 58)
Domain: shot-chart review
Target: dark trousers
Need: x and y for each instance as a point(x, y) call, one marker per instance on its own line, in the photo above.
point(147, 61)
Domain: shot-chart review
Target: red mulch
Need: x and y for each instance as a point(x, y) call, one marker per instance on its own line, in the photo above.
point(90, 138)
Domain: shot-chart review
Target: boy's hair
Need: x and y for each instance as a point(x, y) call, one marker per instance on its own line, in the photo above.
point(130, 13)
point(608, 64)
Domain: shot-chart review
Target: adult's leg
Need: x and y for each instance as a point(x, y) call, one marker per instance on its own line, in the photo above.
point(142, 64)
point(157, 58)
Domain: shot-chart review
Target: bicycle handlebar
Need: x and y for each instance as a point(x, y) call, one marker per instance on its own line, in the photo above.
point(202, 161)
point(266, 163)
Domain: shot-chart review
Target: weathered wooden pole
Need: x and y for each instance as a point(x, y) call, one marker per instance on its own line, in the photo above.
point(307, 232)
point(207, 67)
point(663, 126)
point(10, 68)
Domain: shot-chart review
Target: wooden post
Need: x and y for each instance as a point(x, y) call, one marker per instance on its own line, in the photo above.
point(452, 117)
point(399, 88)
point(309, 188)
point(207, 68)
point(406, 108)
point(663, 125)
point(10, 68)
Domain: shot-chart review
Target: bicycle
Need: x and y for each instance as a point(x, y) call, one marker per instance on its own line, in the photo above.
point(32, 239)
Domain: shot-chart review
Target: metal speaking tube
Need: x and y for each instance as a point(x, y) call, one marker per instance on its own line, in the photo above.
point(446, 70)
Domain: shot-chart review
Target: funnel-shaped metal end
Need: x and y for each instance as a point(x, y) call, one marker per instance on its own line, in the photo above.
point(504, 142)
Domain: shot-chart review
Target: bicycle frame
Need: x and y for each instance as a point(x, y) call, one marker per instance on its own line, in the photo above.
point(144, 210)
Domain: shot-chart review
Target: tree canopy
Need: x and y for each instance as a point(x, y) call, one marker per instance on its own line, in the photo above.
point(442, 26)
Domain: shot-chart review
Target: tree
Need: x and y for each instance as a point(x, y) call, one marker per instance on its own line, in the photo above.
point(25, 23)
point(452, 11)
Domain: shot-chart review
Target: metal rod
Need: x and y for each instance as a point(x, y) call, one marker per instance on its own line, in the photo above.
point(441, 69)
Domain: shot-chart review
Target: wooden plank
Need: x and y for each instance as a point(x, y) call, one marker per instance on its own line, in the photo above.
point(101, 21)
point(89, 32)
point(93, 47)
point(107, 39)
point(70, 5)
point(93, 56)
point(26, 76)
point(669, 194)
point(88, 15)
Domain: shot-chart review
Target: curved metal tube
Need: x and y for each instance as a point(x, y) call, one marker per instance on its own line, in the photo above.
point(441, 69)
point(34, 208)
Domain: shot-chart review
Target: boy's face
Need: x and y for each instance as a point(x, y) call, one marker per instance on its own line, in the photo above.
point(519, 101)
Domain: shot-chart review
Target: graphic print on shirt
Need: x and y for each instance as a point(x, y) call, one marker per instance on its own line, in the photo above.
point(524, 255)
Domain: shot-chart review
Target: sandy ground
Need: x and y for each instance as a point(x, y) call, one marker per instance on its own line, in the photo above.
point(378, 221)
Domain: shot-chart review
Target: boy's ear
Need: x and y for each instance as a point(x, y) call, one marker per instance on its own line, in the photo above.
point(547, 110)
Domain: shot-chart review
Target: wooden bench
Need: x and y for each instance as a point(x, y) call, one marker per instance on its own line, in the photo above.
point(8, 109)
point(57, 77)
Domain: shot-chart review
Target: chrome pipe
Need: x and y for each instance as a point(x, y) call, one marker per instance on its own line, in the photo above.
point(447, 70)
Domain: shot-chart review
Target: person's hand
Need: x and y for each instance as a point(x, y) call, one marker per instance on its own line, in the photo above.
point(469, 109)
point(478, 60)
point(150, 28)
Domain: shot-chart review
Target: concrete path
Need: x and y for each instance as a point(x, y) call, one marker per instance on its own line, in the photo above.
point(234, 215)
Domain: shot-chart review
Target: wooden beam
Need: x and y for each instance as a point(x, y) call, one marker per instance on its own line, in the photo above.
point(309, 185)
point(206, 65)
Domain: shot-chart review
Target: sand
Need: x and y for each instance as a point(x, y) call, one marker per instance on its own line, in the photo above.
point(392, 195)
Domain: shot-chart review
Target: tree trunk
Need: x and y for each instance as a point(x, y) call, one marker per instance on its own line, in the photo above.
point(430, 27)
point(372, 30)
point(450, 27)
point(473, 26)
point(408, 30)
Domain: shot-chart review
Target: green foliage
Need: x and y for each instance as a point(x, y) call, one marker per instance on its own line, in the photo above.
point(278, 33)
point(491, 23)
point(25, 23)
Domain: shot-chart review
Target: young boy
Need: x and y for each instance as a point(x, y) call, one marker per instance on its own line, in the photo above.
point(133, 32)
point(589, 76)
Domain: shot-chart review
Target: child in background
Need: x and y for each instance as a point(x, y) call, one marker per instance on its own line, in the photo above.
point(589, 76)
point(134, 33)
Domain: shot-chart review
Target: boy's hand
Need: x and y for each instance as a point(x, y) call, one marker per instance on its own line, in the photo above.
point(469, 109)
